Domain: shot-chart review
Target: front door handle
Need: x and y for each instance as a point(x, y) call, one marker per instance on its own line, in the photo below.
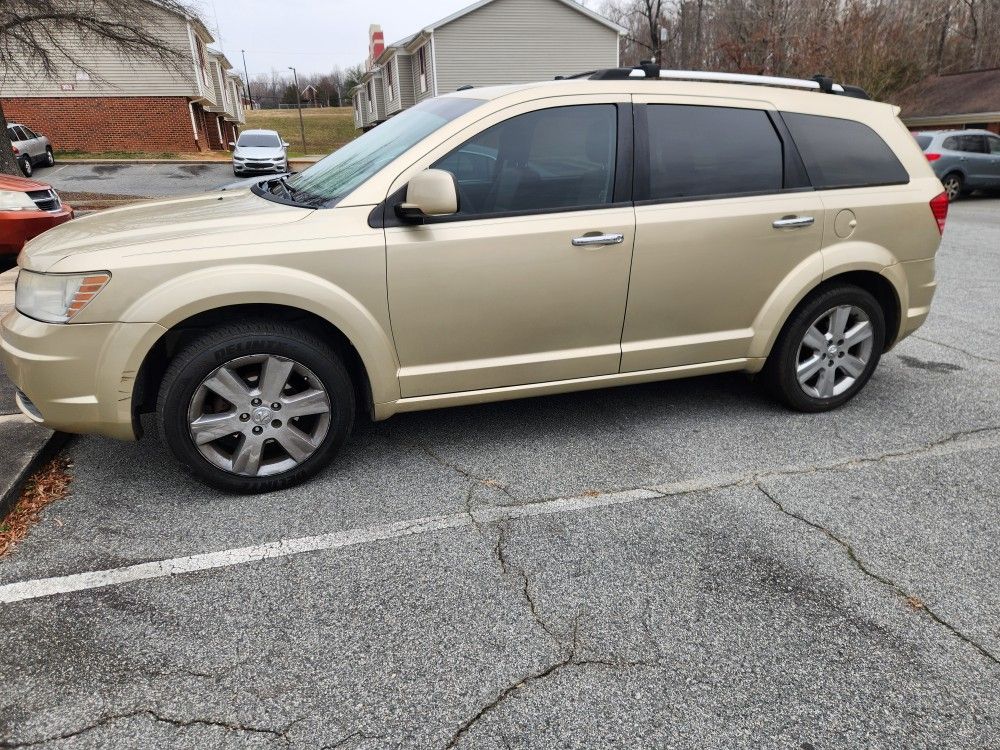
point(794, 222)
point(598, 240)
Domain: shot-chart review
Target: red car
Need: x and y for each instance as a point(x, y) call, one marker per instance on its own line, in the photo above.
point(27, 208)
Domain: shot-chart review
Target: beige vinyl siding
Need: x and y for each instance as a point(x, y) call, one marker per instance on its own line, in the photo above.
point(218, 84)
point(390, 85)
point(121, 77)
point(404, 79)
point(519, 41)
point(419, 96)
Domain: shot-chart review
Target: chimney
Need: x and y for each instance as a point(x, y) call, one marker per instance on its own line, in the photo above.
point(376, 44)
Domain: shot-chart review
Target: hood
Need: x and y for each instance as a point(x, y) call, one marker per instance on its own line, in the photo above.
point(20, 184)
point(151, 223)
point(268, 152)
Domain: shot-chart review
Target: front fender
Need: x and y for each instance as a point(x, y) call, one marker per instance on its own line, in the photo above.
point(182, 297)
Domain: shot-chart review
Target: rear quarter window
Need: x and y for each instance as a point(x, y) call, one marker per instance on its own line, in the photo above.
point(841, 153)
point(923, 141)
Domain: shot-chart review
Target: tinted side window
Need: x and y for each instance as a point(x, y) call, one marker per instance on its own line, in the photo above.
point(973, 144)
point(19, 134)
point(923, 141)
point(994, 144)
point(552, 159)
point(951, 143)
point(842, 153)
point(11, 134)
point(704, 151)
point(28, 133)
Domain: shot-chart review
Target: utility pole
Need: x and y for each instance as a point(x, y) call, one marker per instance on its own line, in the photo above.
point(247, 77)
point(298, 100)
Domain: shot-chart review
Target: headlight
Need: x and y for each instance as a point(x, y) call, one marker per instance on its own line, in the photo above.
point(56, 297)
point(12, 200)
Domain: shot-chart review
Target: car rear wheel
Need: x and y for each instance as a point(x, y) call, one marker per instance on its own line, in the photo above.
point(26, 168)
point(953, 186)
point(827, 350)
point(256, 407)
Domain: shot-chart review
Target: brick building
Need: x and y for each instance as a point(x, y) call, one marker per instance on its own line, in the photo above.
point(139, 104)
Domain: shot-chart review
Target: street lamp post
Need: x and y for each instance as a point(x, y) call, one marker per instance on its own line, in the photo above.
point(298, 100)
point(246, 75)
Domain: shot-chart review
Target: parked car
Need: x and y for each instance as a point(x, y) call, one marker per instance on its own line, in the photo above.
point(27, 208)
point(259, 151)
point(30, 149)
point(964, 160)
point(486, 245)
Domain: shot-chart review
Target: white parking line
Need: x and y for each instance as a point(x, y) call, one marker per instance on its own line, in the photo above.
point(16, 592)
point(978, 439)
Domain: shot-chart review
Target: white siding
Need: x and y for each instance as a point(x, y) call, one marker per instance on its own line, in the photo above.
point(404, 81)
point(519, 41)
point(121, 77)
point(418, 95)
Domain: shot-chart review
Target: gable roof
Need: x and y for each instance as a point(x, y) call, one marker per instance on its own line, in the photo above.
point(569, 3)
point(971, 92)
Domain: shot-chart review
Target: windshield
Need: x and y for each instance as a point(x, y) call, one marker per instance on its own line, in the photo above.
point(258, 140)
point(329, 180)
point(923, 141)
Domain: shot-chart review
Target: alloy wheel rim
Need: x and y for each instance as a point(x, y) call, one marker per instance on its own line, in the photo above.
point(834, 351)
point(951, 187)
point(259, 415)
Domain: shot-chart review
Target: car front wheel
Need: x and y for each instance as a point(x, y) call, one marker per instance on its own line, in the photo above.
point(256, 407)
point(50, 158)
point(827, 350)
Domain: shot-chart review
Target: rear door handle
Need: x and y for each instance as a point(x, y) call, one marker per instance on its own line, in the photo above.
point(598, 240)
point(794, 222)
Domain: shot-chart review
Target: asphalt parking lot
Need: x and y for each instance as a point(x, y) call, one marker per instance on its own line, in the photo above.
point(671, 565)
point(153, 180)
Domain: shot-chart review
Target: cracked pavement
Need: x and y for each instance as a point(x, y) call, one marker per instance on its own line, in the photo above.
point(675, 565)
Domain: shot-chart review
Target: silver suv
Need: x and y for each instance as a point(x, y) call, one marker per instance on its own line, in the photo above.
point(30, 148)
point(964, 160)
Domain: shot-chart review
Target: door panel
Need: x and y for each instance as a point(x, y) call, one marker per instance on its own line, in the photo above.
point(487, 303)
point(702, 272)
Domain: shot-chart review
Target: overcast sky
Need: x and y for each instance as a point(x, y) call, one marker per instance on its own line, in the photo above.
point(314, 35)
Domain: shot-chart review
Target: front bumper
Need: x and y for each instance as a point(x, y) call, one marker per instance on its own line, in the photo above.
point(76, 377)
point(17, 227)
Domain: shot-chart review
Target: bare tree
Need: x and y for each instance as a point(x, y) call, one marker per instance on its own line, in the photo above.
point(39, 37)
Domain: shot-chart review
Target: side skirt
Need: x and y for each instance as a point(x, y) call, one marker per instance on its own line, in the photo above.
point(509, 393)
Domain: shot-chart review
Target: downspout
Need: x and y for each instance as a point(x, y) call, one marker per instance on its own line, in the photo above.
point(434, 62)
point(194, 124)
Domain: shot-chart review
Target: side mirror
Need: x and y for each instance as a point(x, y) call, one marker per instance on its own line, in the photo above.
point(430, 193)
point(232, 144)
point(284, 144)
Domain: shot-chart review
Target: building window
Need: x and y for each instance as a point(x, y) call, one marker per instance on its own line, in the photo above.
point(389, 81)
point(422, 65)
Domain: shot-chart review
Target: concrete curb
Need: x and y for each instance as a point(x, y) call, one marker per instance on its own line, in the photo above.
point(41, 445)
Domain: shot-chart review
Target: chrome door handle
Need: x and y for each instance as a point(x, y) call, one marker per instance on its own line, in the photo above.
point(794, 222)
point(598, 240)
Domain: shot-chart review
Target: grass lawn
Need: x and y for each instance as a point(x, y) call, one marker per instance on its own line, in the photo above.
point(326, 129)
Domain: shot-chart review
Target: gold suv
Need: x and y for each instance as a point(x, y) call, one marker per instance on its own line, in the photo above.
point(618, 227)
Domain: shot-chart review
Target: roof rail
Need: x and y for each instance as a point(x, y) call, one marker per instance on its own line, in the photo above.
point(648, 70)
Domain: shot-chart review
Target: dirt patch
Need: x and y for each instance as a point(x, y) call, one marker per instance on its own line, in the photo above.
point(44, 487)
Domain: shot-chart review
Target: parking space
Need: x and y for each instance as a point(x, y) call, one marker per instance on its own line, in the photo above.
point(150, 180)
point(682, 564)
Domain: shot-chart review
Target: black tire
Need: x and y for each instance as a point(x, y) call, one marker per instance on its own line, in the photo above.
point(25, 164)
point(200, 358)
point(954, 185)
point(780, 374)
point(50, 158)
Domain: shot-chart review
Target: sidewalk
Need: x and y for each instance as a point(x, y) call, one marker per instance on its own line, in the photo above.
point(23, 444)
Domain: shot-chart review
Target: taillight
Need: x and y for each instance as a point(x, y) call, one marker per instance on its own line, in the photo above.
point(932, 157)
point(16, 152)
point(939, 207)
